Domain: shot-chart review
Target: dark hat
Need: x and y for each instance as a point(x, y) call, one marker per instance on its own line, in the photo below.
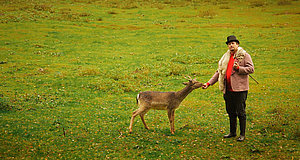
point(232, 38)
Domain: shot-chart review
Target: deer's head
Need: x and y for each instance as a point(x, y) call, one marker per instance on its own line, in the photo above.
point(192, 83)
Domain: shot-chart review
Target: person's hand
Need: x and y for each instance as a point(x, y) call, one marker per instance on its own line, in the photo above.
point(205, 85)
point(236, 66)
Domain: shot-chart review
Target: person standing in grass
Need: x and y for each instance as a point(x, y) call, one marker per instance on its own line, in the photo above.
point(234, 67)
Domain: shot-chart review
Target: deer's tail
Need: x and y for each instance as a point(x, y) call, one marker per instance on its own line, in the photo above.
point(137, 99)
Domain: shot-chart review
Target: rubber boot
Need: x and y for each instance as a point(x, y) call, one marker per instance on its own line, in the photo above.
point(232, 128)
point(242, 130)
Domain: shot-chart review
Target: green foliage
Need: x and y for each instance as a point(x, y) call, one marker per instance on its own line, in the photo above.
point(70, 72)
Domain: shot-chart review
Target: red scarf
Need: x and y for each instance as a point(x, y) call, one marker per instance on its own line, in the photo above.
point(228, 72)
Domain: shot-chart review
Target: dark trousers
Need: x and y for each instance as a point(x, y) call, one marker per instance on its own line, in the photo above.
point(236, 107)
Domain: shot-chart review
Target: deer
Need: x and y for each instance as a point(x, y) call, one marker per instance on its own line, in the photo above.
point(169, 101)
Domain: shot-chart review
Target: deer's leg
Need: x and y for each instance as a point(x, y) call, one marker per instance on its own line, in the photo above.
point(171, 119)
point(134, 114)
point(143, 120)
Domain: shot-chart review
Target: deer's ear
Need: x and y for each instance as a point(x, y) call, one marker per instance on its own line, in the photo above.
point(185, 83)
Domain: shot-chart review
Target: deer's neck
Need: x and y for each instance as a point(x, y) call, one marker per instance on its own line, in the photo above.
point(180, 95)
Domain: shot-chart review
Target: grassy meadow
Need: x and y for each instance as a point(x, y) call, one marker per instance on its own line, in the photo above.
point(70, 71)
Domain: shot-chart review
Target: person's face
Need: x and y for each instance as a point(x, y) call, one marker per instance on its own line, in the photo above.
point(233, 46)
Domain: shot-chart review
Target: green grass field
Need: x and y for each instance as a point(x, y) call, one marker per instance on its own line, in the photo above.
point(70, 71)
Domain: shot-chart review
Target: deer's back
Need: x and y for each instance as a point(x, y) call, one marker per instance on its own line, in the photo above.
point(157, 100)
